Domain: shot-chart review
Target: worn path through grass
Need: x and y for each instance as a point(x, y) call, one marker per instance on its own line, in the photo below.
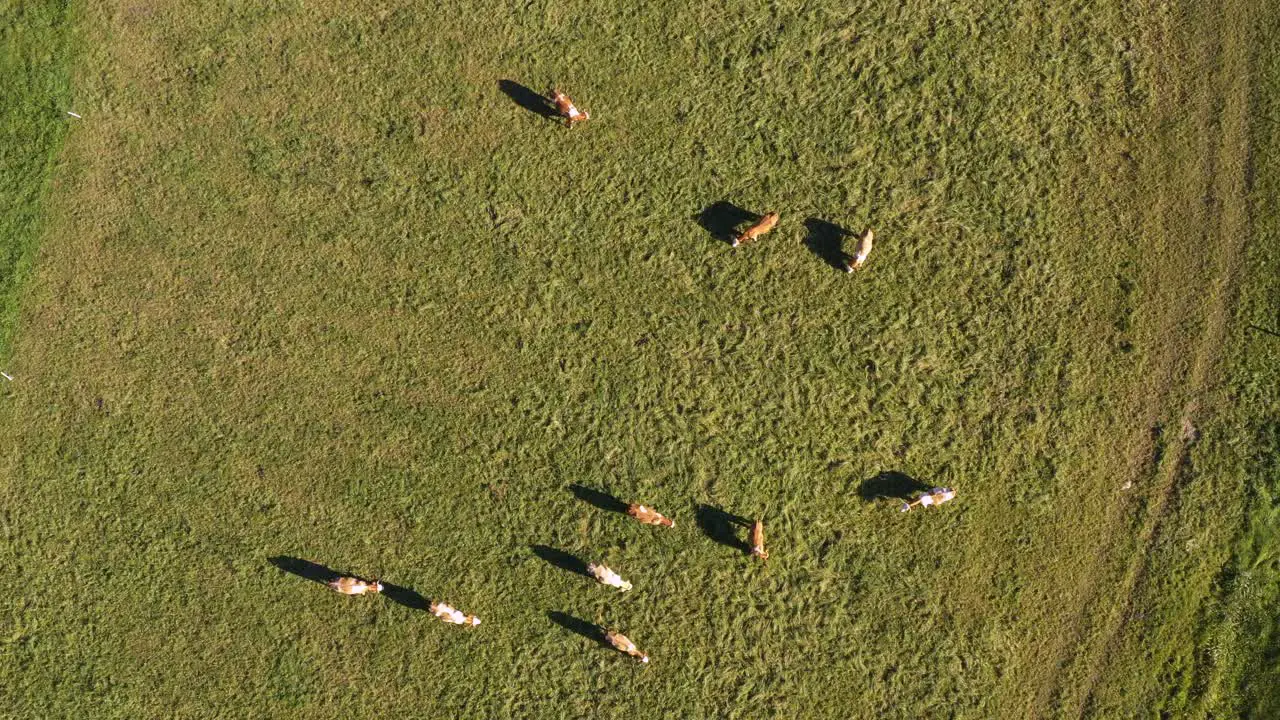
point(1198, 225)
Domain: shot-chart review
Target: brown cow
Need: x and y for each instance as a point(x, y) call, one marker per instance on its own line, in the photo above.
point(757, 541)
point(764, 225)
point(862, 252)
point(567, 109)
point(624, 644)
point(355, 586)
point(649, 516)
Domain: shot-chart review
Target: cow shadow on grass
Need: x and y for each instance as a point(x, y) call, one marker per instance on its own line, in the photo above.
point(891, 485)
point(1261, 329)
point(590, 631)
point(407, 597)
point(561, 559)
point(722, 219)
point(602, 500)
point(723, 527)
point(305, 569)
point(534, 102)
point(826, 240)
point(315, 572)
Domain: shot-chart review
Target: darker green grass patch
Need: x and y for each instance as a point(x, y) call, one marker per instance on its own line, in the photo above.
point(35, 59)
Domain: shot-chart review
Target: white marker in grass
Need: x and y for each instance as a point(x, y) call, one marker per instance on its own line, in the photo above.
point(6, 375)
point(74, 115)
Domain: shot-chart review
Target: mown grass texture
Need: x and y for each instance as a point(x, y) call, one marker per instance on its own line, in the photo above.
point(317, 288)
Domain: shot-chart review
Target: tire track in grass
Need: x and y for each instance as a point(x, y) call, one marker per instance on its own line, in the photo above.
point(1228, 191)
point(1165, 271)
point(1221, 117)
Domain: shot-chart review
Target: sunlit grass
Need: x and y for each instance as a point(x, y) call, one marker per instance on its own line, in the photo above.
point(315, 287)
point(34, 60)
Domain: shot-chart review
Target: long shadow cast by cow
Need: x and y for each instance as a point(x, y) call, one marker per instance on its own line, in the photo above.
point(534, 102)
point(723, 218)
point(407, 597)
point(602, 500)
point(1261, 329)
point(826, 240)
point(722, 527)
point(590, 631)
point(891, 485)
point(305, 569)
point(561, 559)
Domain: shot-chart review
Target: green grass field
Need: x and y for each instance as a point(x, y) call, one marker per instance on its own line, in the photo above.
point(34, 75)
point(314, 290)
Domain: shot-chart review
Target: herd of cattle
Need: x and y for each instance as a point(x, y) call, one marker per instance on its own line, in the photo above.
point(348, 585)
point(603, 574)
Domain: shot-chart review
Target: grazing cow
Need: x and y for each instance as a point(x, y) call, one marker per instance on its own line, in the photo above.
point(355, 586)
point(754, 232)
point(450, 615)
point(649, 516)
point(567, 109)
point(624, 644)
point(936, 496)
point(863, 250)
point(757, 541)
point(608, 577)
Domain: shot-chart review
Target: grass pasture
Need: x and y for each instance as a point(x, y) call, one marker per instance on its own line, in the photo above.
point(316, 291)
point(34, 79)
